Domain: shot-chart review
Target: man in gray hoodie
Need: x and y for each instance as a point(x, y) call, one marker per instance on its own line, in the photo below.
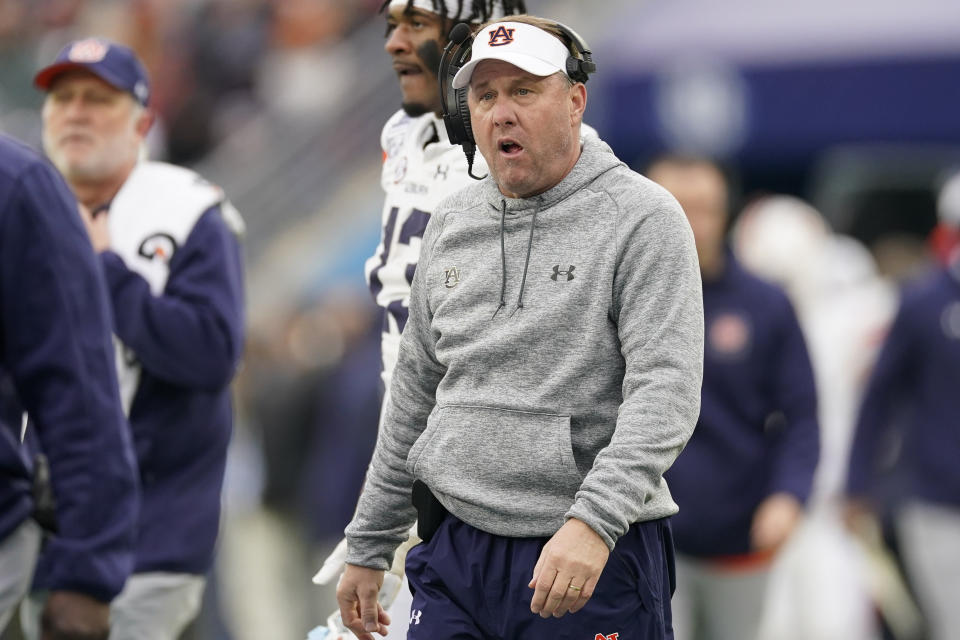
point(548, 375)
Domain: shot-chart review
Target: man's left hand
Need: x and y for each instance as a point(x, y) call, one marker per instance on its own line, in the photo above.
point(97, 228)
point(568, 570)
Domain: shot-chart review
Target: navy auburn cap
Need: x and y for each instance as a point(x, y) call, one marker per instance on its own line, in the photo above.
point(113, 63)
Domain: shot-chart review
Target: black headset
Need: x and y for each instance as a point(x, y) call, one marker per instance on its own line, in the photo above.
point(456, 114)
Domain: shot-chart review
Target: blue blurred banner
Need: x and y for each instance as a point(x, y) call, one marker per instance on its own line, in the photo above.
point(780, 113)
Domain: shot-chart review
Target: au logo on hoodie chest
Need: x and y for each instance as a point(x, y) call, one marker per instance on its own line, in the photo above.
point(451, 277)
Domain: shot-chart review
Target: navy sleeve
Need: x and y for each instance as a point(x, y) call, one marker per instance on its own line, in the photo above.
point(798, 448)
point(893, 375)
point(57, 344)
point(192, 334)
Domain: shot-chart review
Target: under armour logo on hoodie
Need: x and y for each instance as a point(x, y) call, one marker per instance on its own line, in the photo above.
point(557, 273)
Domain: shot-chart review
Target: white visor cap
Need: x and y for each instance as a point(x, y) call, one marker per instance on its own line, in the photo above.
point(522, 45)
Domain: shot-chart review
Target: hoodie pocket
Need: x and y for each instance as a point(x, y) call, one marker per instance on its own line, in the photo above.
point(515, 462)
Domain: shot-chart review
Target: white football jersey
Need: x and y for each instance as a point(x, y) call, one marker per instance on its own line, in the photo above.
point(420, 168)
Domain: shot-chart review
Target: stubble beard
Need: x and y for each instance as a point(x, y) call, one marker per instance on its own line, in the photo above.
point(534, 172)
point(414, 109)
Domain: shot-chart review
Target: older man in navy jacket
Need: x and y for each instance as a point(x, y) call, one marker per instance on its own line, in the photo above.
point(55, 349)
point(168, 243)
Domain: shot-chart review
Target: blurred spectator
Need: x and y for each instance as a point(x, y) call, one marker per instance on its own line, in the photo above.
point(168, 244)
point(743, 478)
point(308, 67)
point(913, 392)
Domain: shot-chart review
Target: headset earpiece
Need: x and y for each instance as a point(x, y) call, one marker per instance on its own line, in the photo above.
point(456, 114)
point(578, 68)
point(464, 109)
point(453, 102)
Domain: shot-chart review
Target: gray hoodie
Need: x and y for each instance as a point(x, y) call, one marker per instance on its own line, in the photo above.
point(551, 365)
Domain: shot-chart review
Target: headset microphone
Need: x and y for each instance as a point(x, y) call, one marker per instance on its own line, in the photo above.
point(459, 33)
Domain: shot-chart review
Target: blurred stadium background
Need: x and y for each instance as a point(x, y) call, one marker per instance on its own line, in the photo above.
point(852, 105)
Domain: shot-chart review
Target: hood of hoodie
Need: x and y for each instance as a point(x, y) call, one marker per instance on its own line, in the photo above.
point(596, 158)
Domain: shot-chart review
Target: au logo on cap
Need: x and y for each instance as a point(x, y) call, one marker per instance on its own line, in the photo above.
point(501, 36)
point(89, 50)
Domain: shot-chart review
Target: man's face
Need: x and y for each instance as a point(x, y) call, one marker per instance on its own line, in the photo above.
point(414, 43)
point(91, 130)
point(526, 126)
point(702, 192)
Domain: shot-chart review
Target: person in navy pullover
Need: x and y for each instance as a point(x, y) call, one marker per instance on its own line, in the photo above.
point(56, 350)
point(913, 391)
point(168, 243)
point(744, 476)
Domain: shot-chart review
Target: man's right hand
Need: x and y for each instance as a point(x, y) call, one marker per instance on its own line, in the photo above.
point(68, 615)
point(357, 597)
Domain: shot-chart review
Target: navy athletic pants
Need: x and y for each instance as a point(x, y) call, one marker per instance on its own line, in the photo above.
point(471, 585)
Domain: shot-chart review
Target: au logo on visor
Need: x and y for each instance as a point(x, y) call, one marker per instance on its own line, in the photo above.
point(501, 36)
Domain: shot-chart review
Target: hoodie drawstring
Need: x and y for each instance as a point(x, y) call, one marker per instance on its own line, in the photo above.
point(526, 263)
point(503, 259)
